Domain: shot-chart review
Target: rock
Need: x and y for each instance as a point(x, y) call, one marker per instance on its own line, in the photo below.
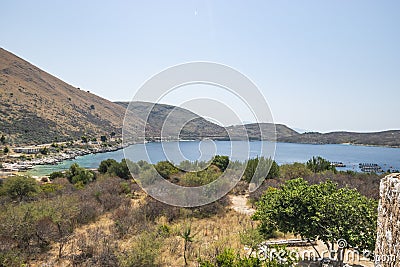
point(387, 249)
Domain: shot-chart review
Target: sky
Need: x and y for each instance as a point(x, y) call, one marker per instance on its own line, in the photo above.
point(321, 65)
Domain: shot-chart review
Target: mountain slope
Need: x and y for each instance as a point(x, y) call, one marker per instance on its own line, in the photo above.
point(198, 127)
point(172, 119)
point(36, 107)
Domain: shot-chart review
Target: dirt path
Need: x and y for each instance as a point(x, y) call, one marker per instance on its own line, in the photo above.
point(239, 204)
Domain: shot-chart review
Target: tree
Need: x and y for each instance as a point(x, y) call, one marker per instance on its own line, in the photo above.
point(321, 211)
point(119, 169)
point(319, 164)
point(166, 169)
point(105, 165)
point(260, 168)
point(103, 138)
point(19, 187)
point(112, 167)
point(221, 162)
point(6, 150)
point(79, 175)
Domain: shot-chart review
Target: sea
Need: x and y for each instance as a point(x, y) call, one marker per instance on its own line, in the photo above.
point(283, 153)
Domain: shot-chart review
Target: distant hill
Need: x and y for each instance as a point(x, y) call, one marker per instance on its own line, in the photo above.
point(386, 138)
point(37, 107)
point(169, 117)
point(254, 131)
point(198, 127)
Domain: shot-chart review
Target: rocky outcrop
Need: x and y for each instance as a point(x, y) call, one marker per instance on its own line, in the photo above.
point(387, 250)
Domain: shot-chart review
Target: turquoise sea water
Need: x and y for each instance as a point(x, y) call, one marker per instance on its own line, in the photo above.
point(196, 150)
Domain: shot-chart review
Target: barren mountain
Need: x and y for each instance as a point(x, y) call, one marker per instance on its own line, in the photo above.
point(37, 107)
point(168, 118)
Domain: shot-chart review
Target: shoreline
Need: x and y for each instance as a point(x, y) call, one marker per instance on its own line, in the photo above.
point(73, 152)
point(53, 159)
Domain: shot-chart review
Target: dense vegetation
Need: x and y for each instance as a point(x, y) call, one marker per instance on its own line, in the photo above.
point(320, 212)
point(103, 218)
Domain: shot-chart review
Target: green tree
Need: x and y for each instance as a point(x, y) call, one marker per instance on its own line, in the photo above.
point(79, 175)
point(19, 187)
point(320, 211)
point(319, 164)
point(260, 168)
point(221, 162)
point(105, 165)
point(166, 169)
point(120, 169)
point(112, 167)
point(103, 138)
point(6, 150)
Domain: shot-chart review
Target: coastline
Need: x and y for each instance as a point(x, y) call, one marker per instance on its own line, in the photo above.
point(17, 166)
point(20, 166)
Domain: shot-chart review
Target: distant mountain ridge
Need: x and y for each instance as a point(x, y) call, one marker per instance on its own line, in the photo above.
point(385, 138)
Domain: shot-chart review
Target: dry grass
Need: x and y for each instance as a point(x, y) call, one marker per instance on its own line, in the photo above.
point(211, 236)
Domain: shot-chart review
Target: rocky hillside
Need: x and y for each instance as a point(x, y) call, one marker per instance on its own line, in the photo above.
point(36, 107)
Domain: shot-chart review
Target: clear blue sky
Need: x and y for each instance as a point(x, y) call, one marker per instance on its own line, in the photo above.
point(322, 65)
